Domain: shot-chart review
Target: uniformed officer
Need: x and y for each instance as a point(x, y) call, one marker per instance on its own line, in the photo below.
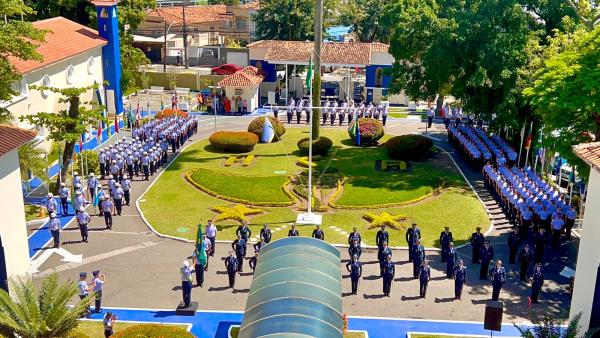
point(525, 259)
point(107, 209)
point(97, 284)
point(355, 269)
point(354, 235)
point(186, 283)
point(536, 277)
point(333, 113)
point(102, 161)
point(298, 111)
point(84, 290)
point(451, 260)
point(557, 223)
point(54, 228)
point(418, 256)
point(486, 256)
point(412, 235)
point(231, 264)
point(244, 231)
point(145, 165)
point(325, 111)
point(126, 186)
point(92, 183)
point(318, 233)
point(381, 237)
point(571, 215)
point(63, 193)
point(424, 276)
point(293, 232)
point(83, 219)
point(307, 110)
point(211, 234)
point(477, 241)
point(51, 204)
point(445, 240)
point(76, 178)
point(253, 260)
point(354, 249)
point(382, 254)
point(539, 241)
point(498, 276)
point(342, 113)
point(265, 233)
point(389, 271)
point(460, 276)
point(199, 264)
point(290, 111)
point(513, 245)
point(384, 114)
point(239, 246)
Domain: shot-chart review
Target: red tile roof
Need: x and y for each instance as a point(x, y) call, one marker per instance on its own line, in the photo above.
point(246, 77)
point(340, 53)
point(64, 39)
point(193, 14)
point(13, 137)
point(590, 153)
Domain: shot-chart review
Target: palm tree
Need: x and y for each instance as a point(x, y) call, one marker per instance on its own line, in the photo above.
point(32, 160)
point(41, 314)
point(551, 328)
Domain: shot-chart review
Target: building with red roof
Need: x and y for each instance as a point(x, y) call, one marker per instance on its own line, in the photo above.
point(244, 84)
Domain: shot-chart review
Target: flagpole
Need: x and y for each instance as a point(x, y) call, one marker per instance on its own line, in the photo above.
point(310, 142)
point(527, 152)
point(521, 144)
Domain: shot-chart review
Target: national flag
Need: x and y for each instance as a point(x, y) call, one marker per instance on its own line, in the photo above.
point(138, 115)
point(357, 135)
point(268, 131)
point(101, 102)
point(116, 124)
point(200, 248)
point(529, 136)
point(81, 140)
point(96, 201)
point(309, 74)
point(99, 132)
point(559, 163)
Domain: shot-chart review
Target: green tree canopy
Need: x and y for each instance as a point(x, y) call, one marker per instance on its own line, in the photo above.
point(365, 17)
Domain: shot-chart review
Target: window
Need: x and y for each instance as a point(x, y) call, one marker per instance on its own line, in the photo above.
point(70, 74)
point(46, 83)
point(91, 66)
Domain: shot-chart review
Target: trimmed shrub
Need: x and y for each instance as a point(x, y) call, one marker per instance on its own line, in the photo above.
point(319, 147)
point(91, 162)
point(371, 130)
point(234, 141)
point(153, 331)
point(409, 147)
point(170, 112)
point(256, 127)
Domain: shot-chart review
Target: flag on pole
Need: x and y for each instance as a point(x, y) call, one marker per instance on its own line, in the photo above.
point(96, 201)
point(81, 142)
point(200, 248)
point(529, 136)
point(354, 131)
point(101, 102)
point(309, 74)
point(138, 115)
point(162, 105)
point(116, 124)
point(99, 132)
point(268, 131)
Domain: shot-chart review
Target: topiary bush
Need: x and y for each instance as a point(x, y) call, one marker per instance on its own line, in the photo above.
point(256, 127)
point(371, 130)
point(233, 141)
point(320, 146)
point(170, 112)
point(153, 331)
point(409, 147)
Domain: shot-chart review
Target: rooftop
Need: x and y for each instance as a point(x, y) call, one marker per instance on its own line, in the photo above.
point(246, 77)
point(590, 153)
point(64, 39)
point(13, 137)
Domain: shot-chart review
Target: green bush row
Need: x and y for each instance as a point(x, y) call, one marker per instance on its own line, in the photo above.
point(409, 147)
point(234, 141)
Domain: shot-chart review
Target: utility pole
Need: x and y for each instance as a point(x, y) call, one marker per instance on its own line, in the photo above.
point(185, 42)
point(316, 85)
point(165, 50)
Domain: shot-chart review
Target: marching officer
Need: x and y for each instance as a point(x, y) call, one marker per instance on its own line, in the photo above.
point(451, 260)
point(83, 219)
point(63, 193)
point(231, 264)
point(298, 111)
point(265, 233)
point(537, 280)
point(354, 249)
point(318, 233)
point(244, 232)
point(498, 276)
point(381, 237)
point(514, 242)
point(239, 246)
point(486, 256)
point(290, 111)
point(382, 254)
point(51, 204)
point(412, 235)
point(118, 194)
point(293, 232)
point(445, 240)
point(54, 228)
point(253, 260)
point(126, 186)
point(355, 269)
point(389, 271)
point(525, 259)
point(571, 215)
point(477, 241)
point(354, 235)
point(460, 276)
point(424, 276)
point(107, 207)
point(418, 256)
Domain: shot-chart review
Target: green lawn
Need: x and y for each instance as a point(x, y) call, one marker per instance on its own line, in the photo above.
point(174, 207)
point(94, 328)
point(398, 115)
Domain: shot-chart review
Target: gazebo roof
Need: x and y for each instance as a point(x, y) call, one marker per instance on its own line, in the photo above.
point(350, 54)
point(246, 77)
point(590, 153)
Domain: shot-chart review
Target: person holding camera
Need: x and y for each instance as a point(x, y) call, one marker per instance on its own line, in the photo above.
point(109, 323)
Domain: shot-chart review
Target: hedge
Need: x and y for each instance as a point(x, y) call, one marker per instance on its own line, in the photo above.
point(153, 331)
point(371, 130)
point(320, 146)
point(91, 162)
point(256, 127)
point(234, 141)
point(170, 112)
point(409, 147)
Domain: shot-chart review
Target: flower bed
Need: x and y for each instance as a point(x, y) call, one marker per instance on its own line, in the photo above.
point(170, 112)
point(371, 130)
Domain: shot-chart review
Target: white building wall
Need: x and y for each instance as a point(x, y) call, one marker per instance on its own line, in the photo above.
point(12, 228)
point(588, 257)
point(382, 58)
point(248, 93)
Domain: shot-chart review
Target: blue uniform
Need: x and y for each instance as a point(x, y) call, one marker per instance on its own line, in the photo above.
point(537, 280)
point(498, 276)
point(487, 254)
point(355, 269)
point(424, 275)
point(460, 276)
point(389, 270)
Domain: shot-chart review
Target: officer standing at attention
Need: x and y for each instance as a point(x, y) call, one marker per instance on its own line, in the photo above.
point(92, 183)
point(102, 161)
point(199, 264)
point(84, 290)
point(536, 278)
point(54, 228)
point(384, 251)
point(293, 232)
point(290, 111)
point(239, 246)
point(412, 235)
point(118, 194)
point(298, 111)
point(445, 240)
point(253, 260)
point(460, 276)
point(354, 235)
point(451, 260)
point(557, 223)
point(97, 284)
point(525, 259)
point(381, 237)
point(265, 233)
point(355, 269)
point(513, 245)
point(186, 283)
point(486, 256)
point(424, 276)
point(244, 232)
point(430, 115)
point(498, 276)
point(63, 193)
point(126, 186)
point(389, 271)
point(211, 234)
point(318, 233)
point(231, 264)
point(418, 257)
point(107, 210)
point(477, 241)
point(354, 249)
point(83, 219)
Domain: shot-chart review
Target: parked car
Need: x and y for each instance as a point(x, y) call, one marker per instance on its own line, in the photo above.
point(226, 69)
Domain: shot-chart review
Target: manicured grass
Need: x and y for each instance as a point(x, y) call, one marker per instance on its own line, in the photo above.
point(251, 188)
point(398, 115)
point(95, 328)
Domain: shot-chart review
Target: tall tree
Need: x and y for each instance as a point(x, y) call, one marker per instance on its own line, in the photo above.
point(31, 160)
point(365, 17)
point(18, 39)
point(67, 125)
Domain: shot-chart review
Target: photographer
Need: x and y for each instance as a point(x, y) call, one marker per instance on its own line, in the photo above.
point(109, 323)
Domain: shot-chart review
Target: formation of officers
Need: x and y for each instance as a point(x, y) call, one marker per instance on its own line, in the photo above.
point(334, 110)
point(120, 163)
